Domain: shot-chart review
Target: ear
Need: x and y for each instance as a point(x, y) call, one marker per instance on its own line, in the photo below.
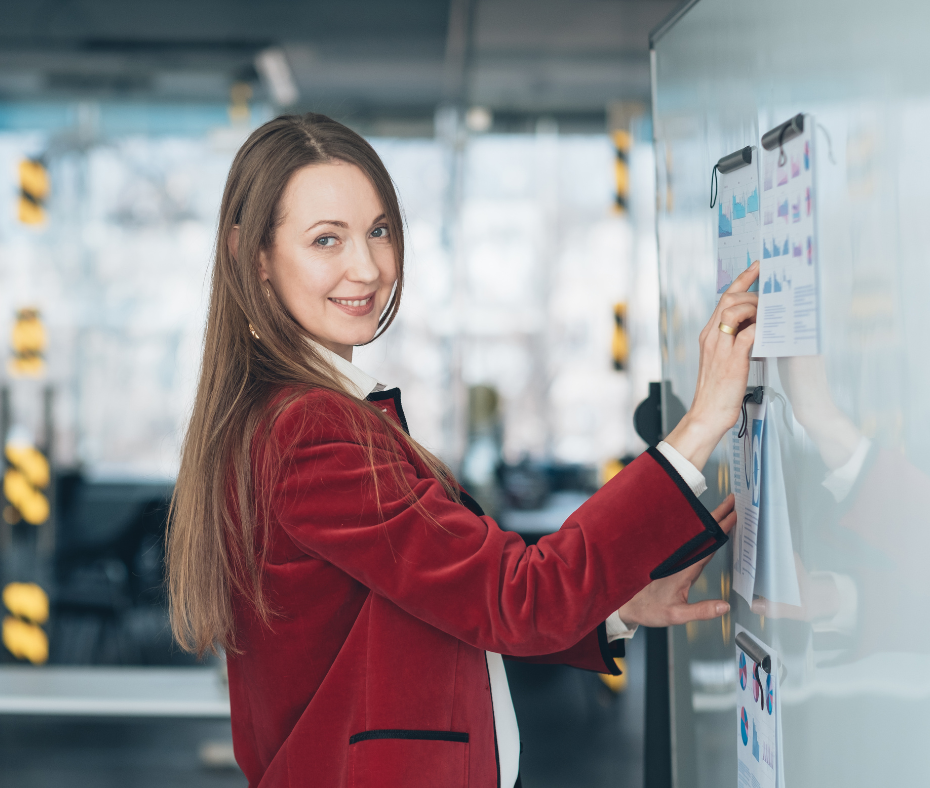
point(263, 265)
point(232, 242)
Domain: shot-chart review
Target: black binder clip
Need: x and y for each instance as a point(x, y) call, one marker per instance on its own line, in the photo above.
point(781, 134)
point(727, 164)
point(756, 396)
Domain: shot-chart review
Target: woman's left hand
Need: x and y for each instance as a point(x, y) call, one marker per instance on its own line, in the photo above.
point(664, 602)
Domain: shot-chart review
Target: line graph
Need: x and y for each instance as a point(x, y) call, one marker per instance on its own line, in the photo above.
point(738, 219)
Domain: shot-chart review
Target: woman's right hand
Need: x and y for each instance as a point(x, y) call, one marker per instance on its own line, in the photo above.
point(722, 372)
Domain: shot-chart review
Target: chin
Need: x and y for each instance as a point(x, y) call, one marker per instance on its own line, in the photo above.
point(356, 338)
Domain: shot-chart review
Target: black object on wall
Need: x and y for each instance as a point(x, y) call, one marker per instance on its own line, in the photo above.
point(647, 419)
point(657, 758)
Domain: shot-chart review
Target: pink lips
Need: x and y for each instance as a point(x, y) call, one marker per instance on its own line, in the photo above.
point(356, 311)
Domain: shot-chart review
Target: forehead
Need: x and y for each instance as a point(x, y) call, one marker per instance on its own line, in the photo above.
point(336, 191)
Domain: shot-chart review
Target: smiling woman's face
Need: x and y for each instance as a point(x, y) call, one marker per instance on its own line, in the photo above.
point(332, 263)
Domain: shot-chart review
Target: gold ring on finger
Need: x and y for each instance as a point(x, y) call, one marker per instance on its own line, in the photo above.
point(727, 329)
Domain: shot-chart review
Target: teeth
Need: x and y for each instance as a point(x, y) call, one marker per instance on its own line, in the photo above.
point(346, 302)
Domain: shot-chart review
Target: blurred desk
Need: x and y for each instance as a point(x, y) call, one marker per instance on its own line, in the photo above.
point(113, 692)
point(559, 507)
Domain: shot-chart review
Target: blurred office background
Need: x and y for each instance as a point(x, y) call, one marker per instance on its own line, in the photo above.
point(518, 135)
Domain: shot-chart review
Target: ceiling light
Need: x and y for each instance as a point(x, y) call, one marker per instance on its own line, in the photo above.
point(276, 74)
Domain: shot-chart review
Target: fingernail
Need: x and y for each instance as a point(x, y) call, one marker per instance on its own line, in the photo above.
point(755, 264)
point(721, 608)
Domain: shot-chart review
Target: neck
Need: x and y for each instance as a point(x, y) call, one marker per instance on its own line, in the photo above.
point(343, 351)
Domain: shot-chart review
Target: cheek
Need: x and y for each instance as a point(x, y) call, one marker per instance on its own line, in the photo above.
point(302, 285)
point(387, 265)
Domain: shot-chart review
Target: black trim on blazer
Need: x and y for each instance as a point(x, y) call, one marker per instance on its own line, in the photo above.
point(682, 558)
point(394, 396)
point(408, 734)
point(604, 646)
point(617, 648)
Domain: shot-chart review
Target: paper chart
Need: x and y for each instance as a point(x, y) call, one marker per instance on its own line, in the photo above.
point(788, 318)
point(737, 223)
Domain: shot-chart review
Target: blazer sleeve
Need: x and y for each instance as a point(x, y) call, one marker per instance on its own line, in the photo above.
point(460, 572)
point(593, 652)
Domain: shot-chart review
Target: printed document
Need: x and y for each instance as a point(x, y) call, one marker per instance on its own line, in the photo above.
point(745, 458)
point(758, 709)
point(738, 238)
point(789, 298)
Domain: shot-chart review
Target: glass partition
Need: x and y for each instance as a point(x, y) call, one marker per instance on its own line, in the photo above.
point(851, 426)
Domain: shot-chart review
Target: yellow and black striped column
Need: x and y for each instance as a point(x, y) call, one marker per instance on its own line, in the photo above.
point(34, 187)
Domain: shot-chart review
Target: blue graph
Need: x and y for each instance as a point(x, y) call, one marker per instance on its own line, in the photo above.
point(775, 285)
point(752, 202)
point(783, 209)
point(739, 209)
point(725, 225)
point(756, 483)
point(774, 250)
point(755, 741)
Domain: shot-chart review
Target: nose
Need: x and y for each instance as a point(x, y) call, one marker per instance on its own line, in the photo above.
point(361, 266)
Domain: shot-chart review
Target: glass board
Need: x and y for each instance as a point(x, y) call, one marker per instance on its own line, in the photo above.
point(856, 417)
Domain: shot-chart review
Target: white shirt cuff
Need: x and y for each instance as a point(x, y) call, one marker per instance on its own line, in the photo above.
point(844, 620)
point(841, 481)
point(692, 476)
point(617, 630)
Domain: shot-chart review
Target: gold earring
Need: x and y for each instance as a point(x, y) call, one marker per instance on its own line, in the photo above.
point(253, 332)
point(268, 292)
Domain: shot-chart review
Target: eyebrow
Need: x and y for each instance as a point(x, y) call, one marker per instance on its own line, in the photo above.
point(338, 223)
point(326, 221)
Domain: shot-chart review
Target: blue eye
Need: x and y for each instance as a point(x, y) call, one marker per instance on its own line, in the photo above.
point(326, 240)
point(379, 232)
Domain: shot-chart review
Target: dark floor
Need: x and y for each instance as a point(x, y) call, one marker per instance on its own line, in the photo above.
point(575, 733)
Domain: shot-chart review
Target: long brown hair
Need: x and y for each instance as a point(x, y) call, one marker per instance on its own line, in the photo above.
point(252, 350)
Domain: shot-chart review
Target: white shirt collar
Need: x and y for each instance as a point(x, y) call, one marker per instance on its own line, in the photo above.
point(360, 382)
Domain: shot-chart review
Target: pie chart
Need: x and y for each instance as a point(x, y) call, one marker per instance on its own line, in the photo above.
point(743, 672)
point(756, 687)
point(744, 725)
point(769, 695)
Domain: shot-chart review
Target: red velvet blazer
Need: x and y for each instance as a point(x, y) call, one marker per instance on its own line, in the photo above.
point(374, 673)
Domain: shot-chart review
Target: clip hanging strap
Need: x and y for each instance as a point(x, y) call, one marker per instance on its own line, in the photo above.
point(782, 159)
point(755, 673)
point(713, 186)
point(756, 396)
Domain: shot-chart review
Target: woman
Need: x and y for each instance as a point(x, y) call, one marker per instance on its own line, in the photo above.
point(362, 598)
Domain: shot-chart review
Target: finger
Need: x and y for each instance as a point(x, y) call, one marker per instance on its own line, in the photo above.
point(745, 338)
point(727, 523)
point(735, 315)
point(699, 611)
point(744, 281)
point(730, 299)
point(727, 300)
point(727, 505)
point(763, 607)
